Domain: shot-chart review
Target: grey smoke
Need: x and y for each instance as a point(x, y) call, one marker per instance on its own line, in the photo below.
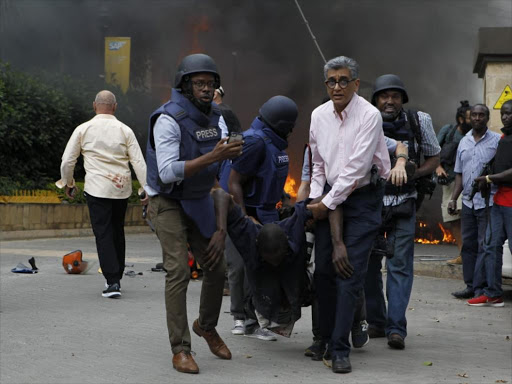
point(262, 47)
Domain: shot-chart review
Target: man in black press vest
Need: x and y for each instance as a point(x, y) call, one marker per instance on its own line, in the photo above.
point(415, 129)
point(185, 145)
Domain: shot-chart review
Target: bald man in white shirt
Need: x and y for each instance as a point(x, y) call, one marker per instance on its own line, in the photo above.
point(107, 146)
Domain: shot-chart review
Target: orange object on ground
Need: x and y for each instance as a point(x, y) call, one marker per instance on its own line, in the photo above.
point(73, 263)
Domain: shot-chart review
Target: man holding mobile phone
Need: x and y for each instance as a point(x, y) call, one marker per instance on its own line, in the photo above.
point(186, 143)
point(256, 180)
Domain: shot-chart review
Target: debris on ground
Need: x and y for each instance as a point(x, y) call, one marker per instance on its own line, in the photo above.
point(22, 268)
point(133, 273)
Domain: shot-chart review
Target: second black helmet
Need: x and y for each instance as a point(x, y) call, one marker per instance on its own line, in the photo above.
point(389, 81)
point(280, 114)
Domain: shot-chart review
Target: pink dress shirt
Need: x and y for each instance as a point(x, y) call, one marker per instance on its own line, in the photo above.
point(344, 149)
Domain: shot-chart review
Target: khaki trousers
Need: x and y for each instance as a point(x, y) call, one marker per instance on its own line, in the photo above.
point(174, 230)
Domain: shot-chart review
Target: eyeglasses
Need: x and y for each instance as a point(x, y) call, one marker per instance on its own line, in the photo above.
point(201, 84)
point(343, 82)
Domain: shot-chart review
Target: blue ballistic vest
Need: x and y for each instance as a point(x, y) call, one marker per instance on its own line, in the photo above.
point(199, 135)
point(265, 189)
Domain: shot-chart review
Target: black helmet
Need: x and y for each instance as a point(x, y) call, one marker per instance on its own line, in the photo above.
point(385, 82)
point(196, 63)
point(280, 114)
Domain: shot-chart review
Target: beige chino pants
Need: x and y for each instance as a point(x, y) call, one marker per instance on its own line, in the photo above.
point(174, 230)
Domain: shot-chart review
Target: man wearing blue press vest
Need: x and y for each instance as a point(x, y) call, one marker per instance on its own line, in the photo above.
point(185, 145)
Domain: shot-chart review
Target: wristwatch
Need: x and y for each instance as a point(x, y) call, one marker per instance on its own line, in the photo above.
point(488, 179)
point(402, 155)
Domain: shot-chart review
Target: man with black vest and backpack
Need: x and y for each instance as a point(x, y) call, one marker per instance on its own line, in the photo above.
point(449, 137)
point(399, 212)
point(186, 142)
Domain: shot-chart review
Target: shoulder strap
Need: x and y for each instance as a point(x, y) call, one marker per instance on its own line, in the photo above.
point(175, 111)
point(451, 134)
point(414, 121)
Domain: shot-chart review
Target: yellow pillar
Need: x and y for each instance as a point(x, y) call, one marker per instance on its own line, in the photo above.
point(117, 62)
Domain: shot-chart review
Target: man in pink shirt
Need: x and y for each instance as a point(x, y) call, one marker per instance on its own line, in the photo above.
point(348, 152)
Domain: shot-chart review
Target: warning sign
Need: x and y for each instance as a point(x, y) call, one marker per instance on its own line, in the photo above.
point(505, 96)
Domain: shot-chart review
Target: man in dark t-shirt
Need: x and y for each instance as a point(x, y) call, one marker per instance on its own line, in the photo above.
point(274, 257)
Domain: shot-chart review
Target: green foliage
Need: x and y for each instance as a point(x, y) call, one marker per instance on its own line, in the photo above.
point(38, 113)
point(80, 198)
point(34, 121)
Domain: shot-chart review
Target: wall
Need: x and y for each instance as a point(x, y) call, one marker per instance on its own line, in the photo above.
point(19, 221)
point(497, 77)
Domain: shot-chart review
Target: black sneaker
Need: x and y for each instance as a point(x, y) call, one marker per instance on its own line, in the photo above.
point(112, 292)
point(106, 286)
point(466, 293)
point(317, 348)
point(360, 335)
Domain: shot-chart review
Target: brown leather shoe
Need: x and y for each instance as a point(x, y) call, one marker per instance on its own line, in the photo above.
point(456, 261)
point(396, 341)
point(184, 362)
point(214, 341)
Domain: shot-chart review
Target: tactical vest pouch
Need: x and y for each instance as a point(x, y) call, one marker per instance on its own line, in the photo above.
point(425, 186)
point(401, 211)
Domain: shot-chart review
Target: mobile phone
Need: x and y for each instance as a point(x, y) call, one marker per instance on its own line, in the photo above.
point(234, 137)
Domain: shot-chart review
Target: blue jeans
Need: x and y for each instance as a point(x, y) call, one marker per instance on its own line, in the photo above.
point(489, 263)
point(337, 297)
point(400, 274)
point(473, 226)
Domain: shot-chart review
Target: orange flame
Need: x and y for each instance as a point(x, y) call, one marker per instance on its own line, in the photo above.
point(290, 186)
point(447, 236)
point(429, 237)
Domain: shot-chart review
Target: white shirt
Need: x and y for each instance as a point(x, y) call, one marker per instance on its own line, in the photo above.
point(107, 146)
point(344, 149)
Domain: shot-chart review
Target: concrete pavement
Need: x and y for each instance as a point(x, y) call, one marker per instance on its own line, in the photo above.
point(56, 328)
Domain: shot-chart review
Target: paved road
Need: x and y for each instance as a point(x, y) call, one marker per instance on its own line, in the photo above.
point(56, 328)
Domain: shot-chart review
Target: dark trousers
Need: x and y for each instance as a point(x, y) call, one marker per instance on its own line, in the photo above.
point(237, 281)
point(375, 302)
point(473, 226)
point(315, 320)
point(338, 298)
point(107, 221)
